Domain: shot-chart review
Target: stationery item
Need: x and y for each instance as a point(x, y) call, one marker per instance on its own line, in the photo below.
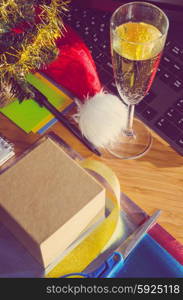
point(115, 261)
point(42, 128)
point(158, 233)
point(147, 260)
point(41, 99)
point(150, 259)
point(76, 260)
point(28, 115)
point(55, 200)
point(6, 150)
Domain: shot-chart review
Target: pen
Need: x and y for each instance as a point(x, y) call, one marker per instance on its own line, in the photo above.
point(42, 100)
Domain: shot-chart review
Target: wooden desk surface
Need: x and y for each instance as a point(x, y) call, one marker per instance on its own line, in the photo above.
point(154, 181)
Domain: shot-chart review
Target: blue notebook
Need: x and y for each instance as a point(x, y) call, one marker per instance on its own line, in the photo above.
point(149, 259)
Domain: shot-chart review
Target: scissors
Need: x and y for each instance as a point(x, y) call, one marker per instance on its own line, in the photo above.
point(112, 261)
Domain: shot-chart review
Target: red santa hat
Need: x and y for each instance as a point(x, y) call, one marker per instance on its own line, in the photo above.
point(74, 68)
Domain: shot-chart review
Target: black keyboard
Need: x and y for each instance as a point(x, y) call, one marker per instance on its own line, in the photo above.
point(162, 108)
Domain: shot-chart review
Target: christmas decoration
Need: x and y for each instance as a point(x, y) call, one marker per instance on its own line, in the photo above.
point(101, 116)
point(28, 30)
point(101, 119)
point(31, 39)
point(74, 67)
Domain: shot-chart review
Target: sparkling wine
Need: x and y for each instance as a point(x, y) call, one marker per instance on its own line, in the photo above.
point(136, 53)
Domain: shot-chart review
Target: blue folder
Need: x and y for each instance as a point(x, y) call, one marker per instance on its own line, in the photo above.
point(149, 259)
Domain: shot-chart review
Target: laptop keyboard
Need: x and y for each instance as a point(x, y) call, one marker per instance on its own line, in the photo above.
point(162, 108)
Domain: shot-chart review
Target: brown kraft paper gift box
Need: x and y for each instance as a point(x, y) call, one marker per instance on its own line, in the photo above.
point(47, 200)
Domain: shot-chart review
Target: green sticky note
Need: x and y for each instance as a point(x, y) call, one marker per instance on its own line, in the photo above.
point(29, 114)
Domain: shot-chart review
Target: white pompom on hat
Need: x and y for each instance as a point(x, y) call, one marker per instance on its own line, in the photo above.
point(101, 119)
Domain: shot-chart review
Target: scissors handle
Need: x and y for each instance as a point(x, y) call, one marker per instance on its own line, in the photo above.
point(110, 267)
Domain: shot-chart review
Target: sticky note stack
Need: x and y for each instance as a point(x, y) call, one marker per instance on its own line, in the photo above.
point(28, 115)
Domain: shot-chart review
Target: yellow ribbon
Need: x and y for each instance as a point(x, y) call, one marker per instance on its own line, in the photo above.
point(102, 236)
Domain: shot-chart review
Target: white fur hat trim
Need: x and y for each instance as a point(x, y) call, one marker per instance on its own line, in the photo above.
point(101, 119)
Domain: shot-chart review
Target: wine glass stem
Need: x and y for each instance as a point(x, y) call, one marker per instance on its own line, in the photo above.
point(130, 116)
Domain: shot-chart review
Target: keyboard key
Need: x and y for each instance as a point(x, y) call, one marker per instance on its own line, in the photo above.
point(91, 48)
point(180, 142)
point(96, 51)
point(93, 23)
point(95, 39)
point(166, 61)
point(168, 44)
point(75, 9)
point(105, 46)
point(108, 67)
point(103, 26)
point(166, 77)
point(140, 107)
point(177, 69)
point(101, 58)
point(150, 97)
point(175, 50)
point(179, 104)
point(78, 26)
point(88, 37)
point(167, 128)
point(181, 55)
point(173, 115)
point(180, 123)
point(106, 16)
point(97, 21)
point(149, 113)
point(112, 87)
point(177, 85)
point(105, 77)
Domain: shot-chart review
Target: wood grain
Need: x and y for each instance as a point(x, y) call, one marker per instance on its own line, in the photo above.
point(154, 181)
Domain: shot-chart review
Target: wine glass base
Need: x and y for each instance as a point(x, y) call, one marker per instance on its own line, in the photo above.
point(131, 147)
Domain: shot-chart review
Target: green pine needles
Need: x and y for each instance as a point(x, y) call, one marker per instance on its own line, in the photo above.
point(28, 30)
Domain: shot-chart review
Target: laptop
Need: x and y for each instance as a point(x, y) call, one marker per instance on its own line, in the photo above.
point(162, 108)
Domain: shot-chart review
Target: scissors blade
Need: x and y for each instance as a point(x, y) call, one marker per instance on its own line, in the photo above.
point(127, 246)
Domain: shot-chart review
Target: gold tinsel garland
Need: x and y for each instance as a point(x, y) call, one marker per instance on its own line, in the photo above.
point(36, 47)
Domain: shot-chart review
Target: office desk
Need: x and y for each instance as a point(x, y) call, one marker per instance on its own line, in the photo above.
point(154, 181)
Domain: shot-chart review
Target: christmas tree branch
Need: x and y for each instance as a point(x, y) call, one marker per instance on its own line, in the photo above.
point(28, 30)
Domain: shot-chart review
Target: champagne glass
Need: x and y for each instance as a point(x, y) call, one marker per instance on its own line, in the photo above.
point(138, 33)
